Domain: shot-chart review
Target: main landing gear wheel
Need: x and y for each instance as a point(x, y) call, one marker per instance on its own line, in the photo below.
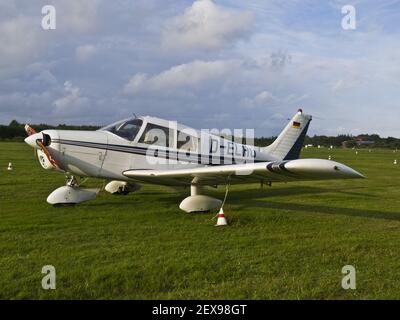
point(197, 203)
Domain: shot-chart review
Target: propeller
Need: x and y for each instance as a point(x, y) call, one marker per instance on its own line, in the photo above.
point(34, 141)
point(29, 130)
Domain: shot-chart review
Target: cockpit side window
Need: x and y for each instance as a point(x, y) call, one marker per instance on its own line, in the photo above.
point(155, 135)
point(187, 142)
point(127, 129)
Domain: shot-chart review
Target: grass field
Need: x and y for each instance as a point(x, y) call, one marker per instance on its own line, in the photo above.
point(285, 242)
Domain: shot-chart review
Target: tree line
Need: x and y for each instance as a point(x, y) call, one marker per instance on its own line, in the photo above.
point(342, 140)
point(15, 132)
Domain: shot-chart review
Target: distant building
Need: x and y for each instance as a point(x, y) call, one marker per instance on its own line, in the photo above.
point(360, 140)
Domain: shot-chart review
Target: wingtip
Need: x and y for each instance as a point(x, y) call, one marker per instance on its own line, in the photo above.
point(356, 174)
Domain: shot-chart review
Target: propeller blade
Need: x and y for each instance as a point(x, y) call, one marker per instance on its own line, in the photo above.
point(39, 142)
point(47, 153)
point(29, 130)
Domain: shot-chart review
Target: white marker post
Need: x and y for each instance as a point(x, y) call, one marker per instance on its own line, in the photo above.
point(221, 221)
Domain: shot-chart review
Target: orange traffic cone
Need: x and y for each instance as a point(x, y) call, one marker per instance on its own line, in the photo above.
point(221, 218)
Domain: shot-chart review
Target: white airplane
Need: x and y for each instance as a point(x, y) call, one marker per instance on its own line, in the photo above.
point(157, 151)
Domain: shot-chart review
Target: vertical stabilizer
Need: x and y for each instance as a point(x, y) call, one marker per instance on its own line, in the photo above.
point(288, 144)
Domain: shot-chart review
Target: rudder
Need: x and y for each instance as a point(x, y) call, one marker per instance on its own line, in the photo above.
point(288, 144)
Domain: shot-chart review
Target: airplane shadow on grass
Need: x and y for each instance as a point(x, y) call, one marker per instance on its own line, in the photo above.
point(252, 193)
point(253, 197)
point(293, 191)
point(309, 208)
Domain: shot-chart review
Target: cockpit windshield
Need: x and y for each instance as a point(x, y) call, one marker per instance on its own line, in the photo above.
point(127, 129)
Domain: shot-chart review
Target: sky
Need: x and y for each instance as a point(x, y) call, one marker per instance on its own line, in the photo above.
point(206, 63)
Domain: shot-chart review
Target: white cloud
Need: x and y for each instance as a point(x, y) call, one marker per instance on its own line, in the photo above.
point(46, 77)
point(77, 15)
point(23, 41)
point(85, 52)
point(264, 98)
point(7, 8)
point(20, 42)
point(205, 26)
point(23, 105)
point(136, 83)
point(194, 75)
point(72, 101)
point(294, 53)
point(347, 83)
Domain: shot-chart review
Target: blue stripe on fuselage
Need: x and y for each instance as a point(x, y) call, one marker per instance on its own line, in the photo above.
point(176, 155)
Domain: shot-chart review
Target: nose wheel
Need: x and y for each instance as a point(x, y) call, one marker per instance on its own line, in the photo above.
point(71, 194)
point(71, 181)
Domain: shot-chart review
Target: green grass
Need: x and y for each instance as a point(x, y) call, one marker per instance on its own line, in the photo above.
point(288, 241)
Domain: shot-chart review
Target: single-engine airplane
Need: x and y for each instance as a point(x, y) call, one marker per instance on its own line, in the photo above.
point(157, 151)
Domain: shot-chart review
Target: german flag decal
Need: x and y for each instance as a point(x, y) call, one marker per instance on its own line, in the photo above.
point(296, 125)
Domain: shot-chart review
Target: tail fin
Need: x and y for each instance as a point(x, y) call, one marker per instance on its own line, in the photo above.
point(288, 144)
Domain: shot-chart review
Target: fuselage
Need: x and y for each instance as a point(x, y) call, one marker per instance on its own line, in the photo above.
point(145, 143)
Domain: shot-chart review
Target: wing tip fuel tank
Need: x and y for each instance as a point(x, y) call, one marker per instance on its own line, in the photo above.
point(322, 168)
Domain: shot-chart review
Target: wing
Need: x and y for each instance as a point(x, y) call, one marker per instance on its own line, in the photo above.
point(293, 170)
